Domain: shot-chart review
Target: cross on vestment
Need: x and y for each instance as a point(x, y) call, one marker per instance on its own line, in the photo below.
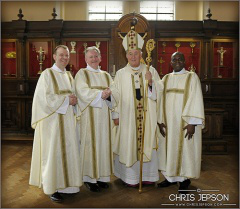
point(132, 45)
point(131, 35)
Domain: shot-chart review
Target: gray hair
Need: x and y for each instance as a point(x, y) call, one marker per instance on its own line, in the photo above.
point(94, 48)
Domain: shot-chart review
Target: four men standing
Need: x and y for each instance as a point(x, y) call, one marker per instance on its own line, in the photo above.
point(60, 162)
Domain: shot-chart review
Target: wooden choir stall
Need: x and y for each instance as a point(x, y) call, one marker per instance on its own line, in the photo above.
point(210, 48)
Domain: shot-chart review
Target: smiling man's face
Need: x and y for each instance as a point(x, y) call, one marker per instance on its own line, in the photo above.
point(177, 62)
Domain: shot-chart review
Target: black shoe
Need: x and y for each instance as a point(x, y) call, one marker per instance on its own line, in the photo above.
point(166, 183)
point(56, 197)
point(93, 187)
point(102, 184)
point(184, 186)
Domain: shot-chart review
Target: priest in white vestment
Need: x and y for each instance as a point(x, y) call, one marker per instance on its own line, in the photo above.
point(94, 123)
point(130, 82)
point(181, 119)
point(55, 162)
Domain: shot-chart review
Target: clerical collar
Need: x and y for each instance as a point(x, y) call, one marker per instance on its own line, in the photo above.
point(135, 68)
point(93, 70)
point(56, 68)
point(180, 72)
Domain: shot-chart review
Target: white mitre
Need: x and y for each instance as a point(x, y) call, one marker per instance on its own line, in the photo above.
point(132, 41)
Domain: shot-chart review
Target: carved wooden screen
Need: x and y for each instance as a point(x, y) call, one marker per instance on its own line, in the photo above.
point(124, 25)
point(191, 48)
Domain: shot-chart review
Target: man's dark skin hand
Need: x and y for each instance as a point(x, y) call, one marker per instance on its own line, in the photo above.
point(190, 130)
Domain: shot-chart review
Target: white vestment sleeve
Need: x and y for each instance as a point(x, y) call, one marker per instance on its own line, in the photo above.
point(152, 94)
point(115, 115)
point(109, 103)
point(195, 121)
point(63, 108)
point(97, 102)
point(75, 109)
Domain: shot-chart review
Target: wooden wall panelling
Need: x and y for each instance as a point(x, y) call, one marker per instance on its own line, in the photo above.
point(205, 73)
point(180, 29)
point(30, 87)
point(213, 142)
point(222, 93)
point(28, 115)
point(86, 29)
point(214, 123)
point(22, 115)
point(22, 61)
point(206, 87)
point(207, 131)
point(230, 115)
point(11, 115)
point(112, 64)
point(9, 87)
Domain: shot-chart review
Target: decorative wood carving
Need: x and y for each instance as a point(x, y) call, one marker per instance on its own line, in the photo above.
point(124, 25)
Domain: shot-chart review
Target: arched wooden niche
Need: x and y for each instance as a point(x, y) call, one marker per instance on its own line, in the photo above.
point(124, 25)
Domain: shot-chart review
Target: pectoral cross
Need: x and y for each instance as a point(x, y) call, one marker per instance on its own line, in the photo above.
point(221, 52)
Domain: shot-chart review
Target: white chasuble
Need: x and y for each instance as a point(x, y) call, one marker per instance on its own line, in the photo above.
point(182, 101)
point(94, 124)
point(128, 135)
point(55, 157)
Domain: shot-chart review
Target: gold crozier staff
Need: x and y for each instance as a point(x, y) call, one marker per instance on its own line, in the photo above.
point(150, 45)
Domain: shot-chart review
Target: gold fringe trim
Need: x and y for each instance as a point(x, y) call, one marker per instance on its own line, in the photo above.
point(94, 165)
point(180, 147)
point(62, 134)
point(179, 91)
point(164, 111)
